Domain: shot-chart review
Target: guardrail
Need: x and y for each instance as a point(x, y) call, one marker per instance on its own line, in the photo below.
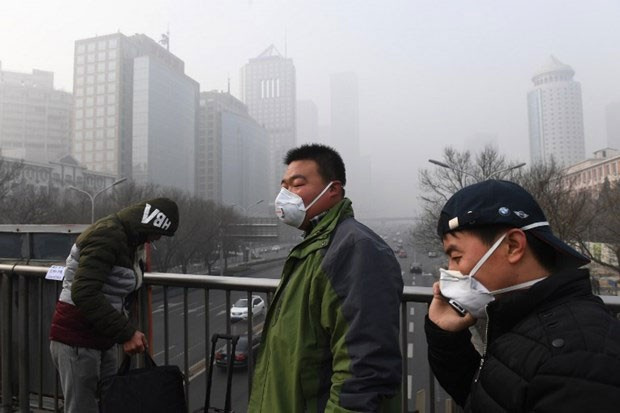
point(24, 288)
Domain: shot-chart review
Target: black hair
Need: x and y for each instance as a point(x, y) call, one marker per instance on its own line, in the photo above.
point(330, 164)
point(543, 252)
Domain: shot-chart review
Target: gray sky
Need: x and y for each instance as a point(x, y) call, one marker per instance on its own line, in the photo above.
point(431, 73)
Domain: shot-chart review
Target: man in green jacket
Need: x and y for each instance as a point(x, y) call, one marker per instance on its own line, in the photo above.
point(104, 268)
point(330, 339)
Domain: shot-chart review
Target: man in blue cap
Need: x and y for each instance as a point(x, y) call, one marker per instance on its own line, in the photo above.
point(548, 343)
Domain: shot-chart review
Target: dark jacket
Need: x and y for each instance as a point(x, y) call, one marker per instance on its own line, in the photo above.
point(102, 270)
point(554, 347)
point(330, 339)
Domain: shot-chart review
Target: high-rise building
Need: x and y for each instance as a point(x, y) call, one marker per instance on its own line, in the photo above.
point(307, 122)
point(268, 89)
point(345, 139)
point(132, 88)
point(556, 115)
point(612, 120)
point(165, 111)
point(345, 114)
point(35, 118)
point(232, 158)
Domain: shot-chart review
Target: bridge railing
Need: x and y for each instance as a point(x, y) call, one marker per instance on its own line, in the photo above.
point(29, 381)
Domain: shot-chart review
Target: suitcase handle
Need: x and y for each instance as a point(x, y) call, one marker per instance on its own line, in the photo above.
point(231, 356)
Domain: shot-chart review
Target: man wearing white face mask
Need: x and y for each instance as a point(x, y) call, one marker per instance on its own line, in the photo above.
point(549, 343)
point(330, 338)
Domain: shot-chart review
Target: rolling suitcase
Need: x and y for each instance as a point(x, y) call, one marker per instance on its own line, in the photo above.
point(231, 357)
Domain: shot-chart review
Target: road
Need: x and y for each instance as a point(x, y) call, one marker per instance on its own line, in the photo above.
point(196, 320)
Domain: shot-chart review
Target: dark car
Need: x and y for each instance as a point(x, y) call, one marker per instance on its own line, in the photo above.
point(241, 352)
point(415, 268)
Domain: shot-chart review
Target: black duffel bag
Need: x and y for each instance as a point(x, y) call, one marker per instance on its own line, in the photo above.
point(152, 389)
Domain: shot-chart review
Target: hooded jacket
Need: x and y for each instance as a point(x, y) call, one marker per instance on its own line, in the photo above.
point(103, 269)
point(330, 340)
point(552, 348)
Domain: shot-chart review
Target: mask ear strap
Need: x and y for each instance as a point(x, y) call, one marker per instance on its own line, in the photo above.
point(319, 196)
point(486, 256)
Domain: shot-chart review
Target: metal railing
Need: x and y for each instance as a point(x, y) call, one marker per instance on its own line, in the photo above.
point(25, 356)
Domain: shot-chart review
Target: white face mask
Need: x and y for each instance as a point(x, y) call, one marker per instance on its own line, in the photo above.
point(466, 293)
point(290, 207)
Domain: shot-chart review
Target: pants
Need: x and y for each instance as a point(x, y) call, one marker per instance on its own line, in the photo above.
point(81, 371)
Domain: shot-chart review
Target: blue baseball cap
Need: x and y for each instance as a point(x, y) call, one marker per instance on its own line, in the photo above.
point(495, 202)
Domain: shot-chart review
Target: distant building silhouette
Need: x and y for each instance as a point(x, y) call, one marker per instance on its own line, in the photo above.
point(307, 122)
point(232, 156)
point(556, 115)
point(55, 176)
point(268, 88)
point(344, 97)
point(135, 110)
point(35, 118)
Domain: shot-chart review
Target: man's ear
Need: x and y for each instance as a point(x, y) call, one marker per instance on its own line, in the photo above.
point(517, 243)
point(337, 188)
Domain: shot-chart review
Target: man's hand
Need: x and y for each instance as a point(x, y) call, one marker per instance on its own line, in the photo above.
point(136, 344)
point(446, 317)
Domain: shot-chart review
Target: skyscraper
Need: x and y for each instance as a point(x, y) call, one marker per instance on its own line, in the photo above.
point(307, 122)
point(556, 115)
point(131, 87)
point(164, 130)
point(268, 89)
point(232, 159)
point(35, 118)
point(345, 114)
point(346, 140)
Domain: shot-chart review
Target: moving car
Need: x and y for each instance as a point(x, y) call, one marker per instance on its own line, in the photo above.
point(241, 352)
point(415, 268)
point(239, 310)
point(402, 253)
point(432, 254)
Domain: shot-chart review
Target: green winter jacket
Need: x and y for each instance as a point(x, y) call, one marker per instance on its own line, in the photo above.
point(102, 270)
point(331, 337)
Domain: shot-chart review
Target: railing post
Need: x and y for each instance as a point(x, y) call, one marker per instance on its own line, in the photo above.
point(6, 329)
point(403, 352)
point(23, 350)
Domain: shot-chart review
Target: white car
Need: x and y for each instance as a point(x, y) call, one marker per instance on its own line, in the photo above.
point(239, 310)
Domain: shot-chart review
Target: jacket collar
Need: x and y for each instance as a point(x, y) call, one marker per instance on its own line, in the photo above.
point(561, 286)
point(318, 237)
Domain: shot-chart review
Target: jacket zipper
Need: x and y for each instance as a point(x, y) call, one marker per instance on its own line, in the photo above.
point(484, 348)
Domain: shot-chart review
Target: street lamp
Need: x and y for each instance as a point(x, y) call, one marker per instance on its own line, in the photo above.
point(93, 197)
point(444, 165)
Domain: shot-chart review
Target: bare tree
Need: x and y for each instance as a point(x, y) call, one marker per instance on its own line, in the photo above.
point(9, 172)
point(437, 184)
point(565, 207)
point(602, 226)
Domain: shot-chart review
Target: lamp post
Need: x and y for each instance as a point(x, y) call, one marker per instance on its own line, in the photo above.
point(93, 197)
point(489, 176)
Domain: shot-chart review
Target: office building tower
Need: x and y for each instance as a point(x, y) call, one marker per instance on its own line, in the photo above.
point(556, 115)
point(268, 89)
point(345, 114)
point(165, 111)
point(232, 158)
point(346, 140)
point(307, 122)
point(135, 110)
point(35, 118)
point(612, 120)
